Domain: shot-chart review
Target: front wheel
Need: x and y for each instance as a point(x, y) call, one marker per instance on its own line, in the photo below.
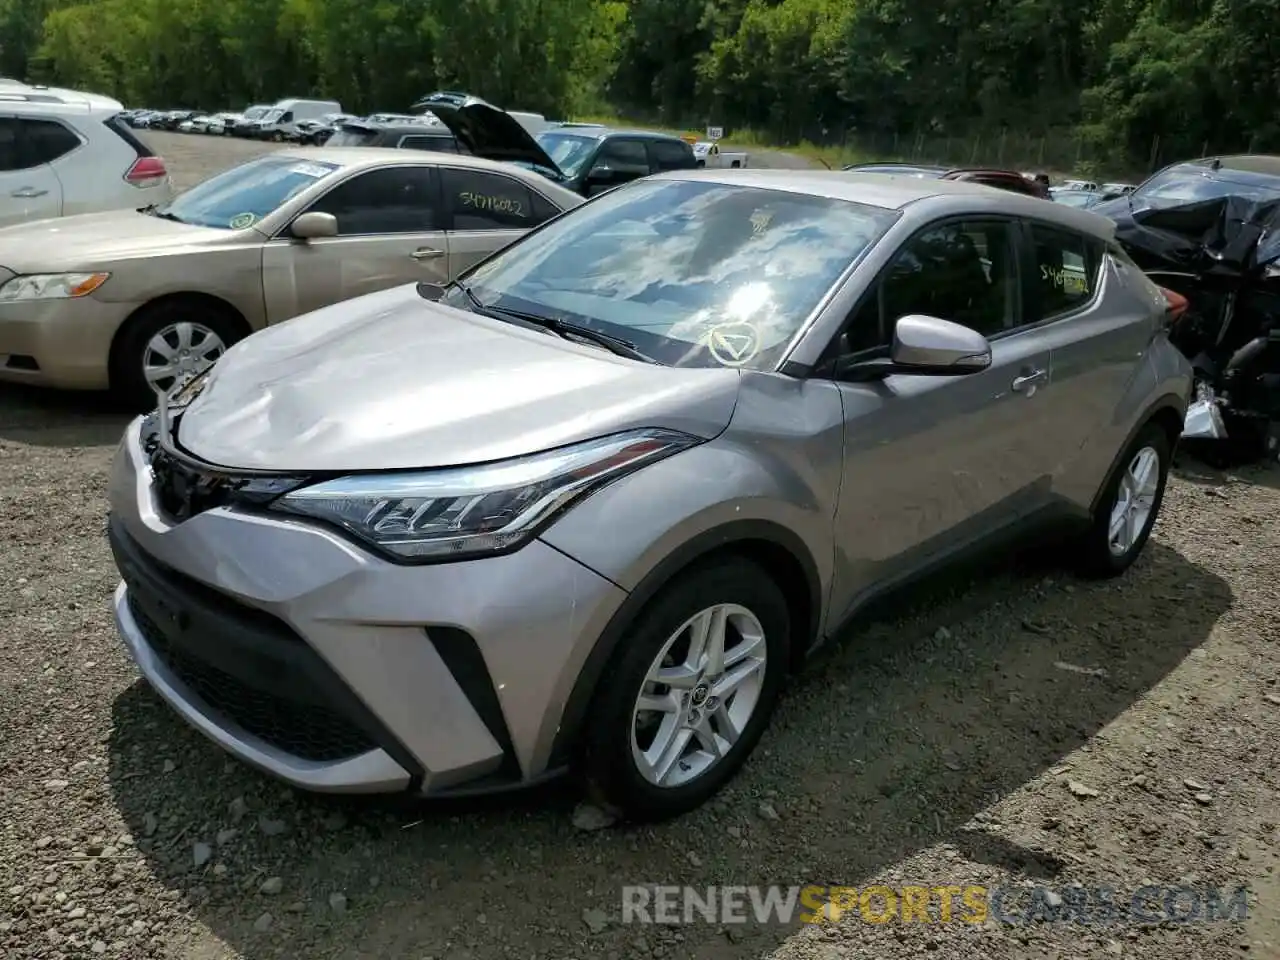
point(166, 344)
point(690, 691)
point(1129, 505)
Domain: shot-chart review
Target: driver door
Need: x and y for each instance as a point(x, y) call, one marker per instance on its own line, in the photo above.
point(933, 463)
point(390, 232)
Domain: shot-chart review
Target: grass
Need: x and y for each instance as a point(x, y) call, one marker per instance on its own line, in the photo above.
point(1058, 154)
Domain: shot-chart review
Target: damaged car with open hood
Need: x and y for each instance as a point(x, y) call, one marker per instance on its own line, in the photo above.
point(1209, 231)
point(584, 158)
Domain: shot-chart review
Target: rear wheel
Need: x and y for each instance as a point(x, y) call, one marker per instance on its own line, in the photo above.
point(166, 344)
point(1129, 505)
point(690, 691)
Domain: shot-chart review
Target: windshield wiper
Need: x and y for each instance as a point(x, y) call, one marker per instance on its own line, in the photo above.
point(155, 211)
point(564, 328)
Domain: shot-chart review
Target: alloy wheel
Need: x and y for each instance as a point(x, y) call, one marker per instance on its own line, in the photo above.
point(699, 695)
point(1134, 501)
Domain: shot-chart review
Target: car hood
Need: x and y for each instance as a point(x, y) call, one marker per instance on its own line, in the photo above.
point(392, 381)
point(94, 238)
point(487, 132)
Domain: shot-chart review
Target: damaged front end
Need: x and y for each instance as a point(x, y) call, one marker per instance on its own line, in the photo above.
point(1221, 260)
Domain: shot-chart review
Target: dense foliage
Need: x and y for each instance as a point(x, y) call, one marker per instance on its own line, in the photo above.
point(1128, 80)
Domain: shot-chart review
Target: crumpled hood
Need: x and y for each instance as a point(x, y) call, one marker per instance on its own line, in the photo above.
point(92, 239)
point(391, 380)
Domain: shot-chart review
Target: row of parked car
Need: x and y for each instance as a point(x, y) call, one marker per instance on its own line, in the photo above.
point(1075, 193)
point(751, 380)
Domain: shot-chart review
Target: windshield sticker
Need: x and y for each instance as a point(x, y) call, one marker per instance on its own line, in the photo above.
point(733, 344)
point(760, 221)
point(316, 170)
point(1065, 279)
point(242, 221)
point(483, 201)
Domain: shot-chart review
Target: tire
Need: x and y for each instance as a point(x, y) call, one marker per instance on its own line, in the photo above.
point(702, 164)
point(1098, 557)
point(752, 604)
point(129, 352)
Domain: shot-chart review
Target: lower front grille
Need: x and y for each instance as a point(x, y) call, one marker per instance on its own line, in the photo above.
point(305, 730)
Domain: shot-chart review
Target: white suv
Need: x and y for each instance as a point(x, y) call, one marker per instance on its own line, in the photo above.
point(65, 152)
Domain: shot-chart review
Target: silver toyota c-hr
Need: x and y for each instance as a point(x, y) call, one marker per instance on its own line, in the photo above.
point(586, 508)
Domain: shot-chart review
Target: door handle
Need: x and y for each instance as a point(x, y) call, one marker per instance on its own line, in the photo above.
point(1028, 382)
point(426, 253)
point(27, 192)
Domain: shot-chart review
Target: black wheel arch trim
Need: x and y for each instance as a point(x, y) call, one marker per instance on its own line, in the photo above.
point(1170, 402)
point(692, 550)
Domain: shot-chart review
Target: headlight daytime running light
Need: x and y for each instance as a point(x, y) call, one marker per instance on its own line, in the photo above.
point(462, 512)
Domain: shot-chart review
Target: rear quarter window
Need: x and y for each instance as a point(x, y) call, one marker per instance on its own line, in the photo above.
point(1067, 268)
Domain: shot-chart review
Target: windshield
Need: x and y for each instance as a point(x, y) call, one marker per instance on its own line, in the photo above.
point(271, 116)
point(243, 195)
point(568, 150)
point(693, 273)
point(1191, 184)
point(254, 113)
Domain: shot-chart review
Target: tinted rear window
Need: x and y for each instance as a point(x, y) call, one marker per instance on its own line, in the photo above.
point(354, 137)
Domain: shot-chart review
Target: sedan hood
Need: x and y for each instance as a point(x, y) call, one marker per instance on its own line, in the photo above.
point(391, 381)
point(486, 131)
point(44, 246)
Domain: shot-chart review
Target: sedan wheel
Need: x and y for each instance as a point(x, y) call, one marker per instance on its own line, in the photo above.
point(689, 691)
point(699, 695)
point(179, 352)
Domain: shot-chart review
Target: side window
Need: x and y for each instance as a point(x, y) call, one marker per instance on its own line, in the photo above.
point(627, 157)
point(388, 200)
point(487, 201)
point(288, 117)
point(48, 140)
point(1066, 271)
point(670, 155)
point(10, 148)
point(960, 271)
point(438, 144)
point(543, 209)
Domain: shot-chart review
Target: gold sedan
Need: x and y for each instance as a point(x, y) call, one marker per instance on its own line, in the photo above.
point(138, 301)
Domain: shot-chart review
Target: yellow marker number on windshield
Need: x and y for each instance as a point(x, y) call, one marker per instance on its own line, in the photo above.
point(760, 221)
point(492, 204)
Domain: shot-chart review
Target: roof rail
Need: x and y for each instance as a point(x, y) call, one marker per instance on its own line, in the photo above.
point(31, 97)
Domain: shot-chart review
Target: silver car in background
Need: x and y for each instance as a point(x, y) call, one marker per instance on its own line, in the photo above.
point(587, 506)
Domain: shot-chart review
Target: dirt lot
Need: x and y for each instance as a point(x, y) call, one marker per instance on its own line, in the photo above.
point(935, 745)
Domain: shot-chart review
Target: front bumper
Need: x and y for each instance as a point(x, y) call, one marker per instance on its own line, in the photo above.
point(334, 670)
point(59, 343)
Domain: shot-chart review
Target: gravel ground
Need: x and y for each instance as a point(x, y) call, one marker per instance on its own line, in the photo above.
point(947, 740)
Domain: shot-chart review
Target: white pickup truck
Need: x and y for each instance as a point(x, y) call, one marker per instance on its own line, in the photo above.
point(710, 155)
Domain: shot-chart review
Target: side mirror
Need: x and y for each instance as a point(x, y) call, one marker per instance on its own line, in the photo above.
point(314, 226)
point(926, 346)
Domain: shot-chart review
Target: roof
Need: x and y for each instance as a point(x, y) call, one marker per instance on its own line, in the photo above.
point(352, 157)
point(896, 193)
point(600, 132)
point(24, 97)
point(1246, 162)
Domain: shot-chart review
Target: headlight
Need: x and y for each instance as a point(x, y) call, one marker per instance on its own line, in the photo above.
point(460, 512)
point(52, 286)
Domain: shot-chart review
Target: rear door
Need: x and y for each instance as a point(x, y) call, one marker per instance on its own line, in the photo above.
point(390, 232)
point(670, 155)
point(29, 188)
point(486, 211)
point(619, 160)
point(1097, 332)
